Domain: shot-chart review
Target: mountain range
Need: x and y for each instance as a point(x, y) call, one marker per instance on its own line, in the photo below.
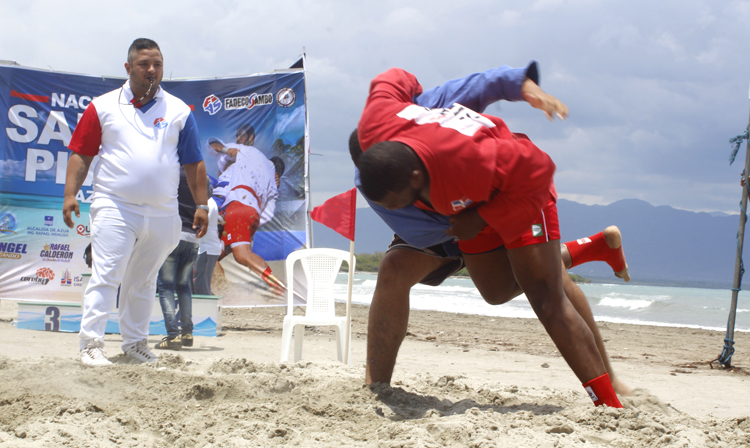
point(663, 245)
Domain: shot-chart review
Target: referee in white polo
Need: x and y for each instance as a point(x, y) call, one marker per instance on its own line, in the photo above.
point(142, 135)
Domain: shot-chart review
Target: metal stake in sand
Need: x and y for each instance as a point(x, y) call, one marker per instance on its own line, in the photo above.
point(349, 302)
point(725, 358)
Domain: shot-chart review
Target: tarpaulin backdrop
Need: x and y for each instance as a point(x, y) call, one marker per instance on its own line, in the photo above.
point(40, 257)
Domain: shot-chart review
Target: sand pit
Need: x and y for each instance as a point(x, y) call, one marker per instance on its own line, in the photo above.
point(461, 381)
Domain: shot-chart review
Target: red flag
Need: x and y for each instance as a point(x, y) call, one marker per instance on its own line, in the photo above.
point(338, 213)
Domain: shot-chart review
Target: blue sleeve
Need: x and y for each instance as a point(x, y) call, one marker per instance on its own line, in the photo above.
point(417, 227)
point(479, 90)
point(189, 143)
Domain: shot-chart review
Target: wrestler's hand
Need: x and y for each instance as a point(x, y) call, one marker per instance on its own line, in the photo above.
point(466, 225)
point(70, 206)
point(551, 106)
point(232, 152)
point(200, 219)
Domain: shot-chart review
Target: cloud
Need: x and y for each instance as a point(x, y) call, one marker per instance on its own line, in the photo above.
point(654, 96)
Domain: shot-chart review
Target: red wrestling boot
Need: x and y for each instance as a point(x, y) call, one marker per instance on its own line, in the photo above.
point(601, 392)
point(604, 246)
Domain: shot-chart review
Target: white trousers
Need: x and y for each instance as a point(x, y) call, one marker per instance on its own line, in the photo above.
point(127, 251)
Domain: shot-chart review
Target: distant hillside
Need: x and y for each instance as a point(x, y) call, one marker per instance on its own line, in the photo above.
point(663, 245)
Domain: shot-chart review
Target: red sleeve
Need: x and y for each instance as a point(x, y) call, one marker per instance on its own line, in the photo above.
point(390, 92)
point(396, 84)
point(87, 136)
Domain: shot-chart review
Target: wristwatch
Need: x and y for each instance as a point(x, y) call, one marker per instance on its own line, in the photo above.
point(202, 207)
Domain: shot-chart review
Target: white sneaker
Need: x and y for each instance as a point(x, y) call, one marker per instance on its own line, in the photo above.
point(93, 354)
point(141, 353)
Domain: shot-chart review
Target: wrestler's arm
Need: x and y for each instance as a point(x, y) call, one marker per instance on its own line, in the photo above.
point(478, 90)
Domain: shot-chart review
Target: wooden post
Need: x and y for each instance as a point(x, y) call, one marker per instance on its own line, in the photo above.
point(725, 359)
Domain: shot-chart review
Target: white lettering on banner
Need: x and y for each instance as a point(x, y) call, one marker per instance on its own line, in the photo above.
point(14, 115)
point(458, 117)
point(85, 197)
point(56, 128)
point(58, 100)
point(33, 164)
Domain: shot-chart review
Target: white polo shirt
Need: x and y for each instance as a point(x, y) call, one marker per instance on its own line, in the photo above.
point(140, 149)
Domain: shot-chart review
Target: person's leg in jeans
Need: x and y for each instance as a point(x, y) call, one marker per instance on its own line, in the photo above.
point(186, 258)
point(204, 271)
point(167, 286)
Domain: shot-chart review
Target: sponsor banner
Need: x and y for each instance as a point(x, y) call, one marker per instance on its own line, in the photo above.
point(41, 258)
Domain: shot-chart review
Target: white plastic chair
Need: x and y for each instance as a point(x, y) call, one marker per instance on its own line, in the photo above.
point(320, 267)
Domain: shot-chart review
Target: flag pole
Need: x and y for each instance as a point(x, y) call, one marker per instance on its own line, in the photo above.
point(339, 213)
point(349, 302)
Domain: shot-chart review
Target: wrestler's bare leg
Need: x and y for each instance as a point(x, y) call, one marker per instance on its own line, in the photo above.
point(506, 288)
point(399, 270)
point(581, 304)
point(537, 269)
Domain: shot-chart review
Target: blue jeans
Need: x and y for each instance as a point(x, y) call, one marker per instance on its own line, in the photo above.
point(204, 271)
point(174, 276)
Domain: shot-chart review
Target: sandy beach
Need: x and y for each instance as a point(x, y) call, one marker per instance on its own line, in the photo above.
point(460, 380)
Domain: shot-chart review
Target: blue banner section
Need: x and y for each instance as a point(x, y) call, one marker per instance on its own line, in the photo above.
point(40, 257)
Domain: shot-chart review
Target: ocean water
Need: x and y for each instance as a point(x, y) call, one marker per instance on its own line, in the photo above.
point(615, 302)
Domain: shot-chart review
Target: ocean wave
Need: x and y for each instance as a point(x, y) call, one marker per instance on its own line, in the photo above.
point(421, 287)
point(631, 321)
point(621, 302)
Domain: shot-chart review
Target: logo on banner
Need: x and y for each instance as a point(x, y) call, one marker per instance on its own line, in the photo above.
point(48, 231)
point(285, 97)
point(56, 252)
point(78, 280)
point(49, 220)
point(83, 230)
point(8, 223)
point(42, 277)
point(460, 204)
point(212, 104)
point(160, 123)
point(66, 279)
point(12, 250)
point(248, 102)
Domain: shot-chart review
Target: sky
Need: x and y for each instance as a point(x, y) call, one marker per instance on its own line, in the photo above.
point(655, 88)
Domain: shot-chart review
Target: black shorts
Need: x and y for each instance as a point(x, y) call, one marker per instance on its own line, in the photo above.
point(439, 275)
